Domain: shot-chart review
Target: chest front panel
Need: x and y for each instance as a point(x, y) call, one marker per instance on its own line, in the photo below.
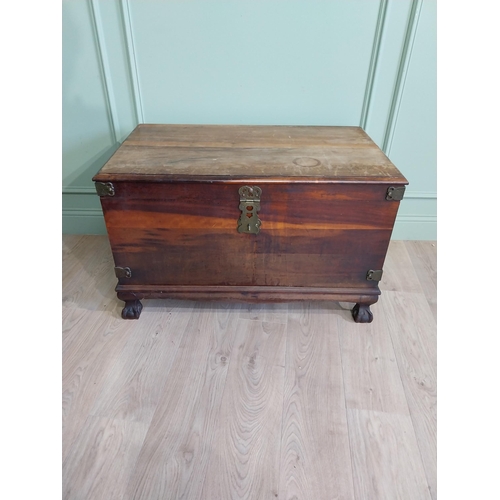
point(311, 234)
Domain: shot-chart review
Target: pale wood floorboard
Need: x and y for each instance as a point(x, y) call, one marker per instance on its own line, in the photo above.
point(102, 459)
point(271, 313)
point(371, 375)
point(232, 401)
point(68, 243)
point(138, 381)
point(413, 332)
point(315, 456)
point(245, 457)
point(87, 366)
point(399, 273)
point(423, 256)
point(177, 449)
point(88, 284)
point(385, 456)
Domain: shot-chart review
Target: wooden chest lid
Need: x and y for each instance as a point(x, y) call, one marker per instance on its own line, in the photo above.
point(162, 153)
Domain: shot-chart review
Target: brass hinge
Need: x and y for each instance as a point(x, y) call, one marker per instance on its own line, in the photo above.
point(123, 272)
point(105, 189)
point(395, 193)
point(374, 275)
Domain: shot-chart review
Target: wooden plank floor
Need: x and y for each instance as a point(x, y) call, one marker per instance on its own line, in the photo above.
point(234, 401)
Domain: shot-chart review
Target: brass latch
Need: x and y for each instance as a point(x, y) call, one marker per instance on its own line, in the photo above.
point(374, 275)
point(249, 221)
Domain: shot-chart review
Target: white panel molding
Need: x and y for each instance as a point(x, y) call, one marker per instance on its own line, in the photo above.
point(78, 190)
point(83, 222)
point(105, 69)
point(132, 60)
point(404, 63)
point(420, 195)
point(417, 218)
point(379, 30)
point(82, 212)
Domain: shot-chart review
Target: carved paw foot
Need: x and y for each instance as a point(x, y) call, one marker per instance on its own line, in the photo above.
point(132, 309)
point(362, 314)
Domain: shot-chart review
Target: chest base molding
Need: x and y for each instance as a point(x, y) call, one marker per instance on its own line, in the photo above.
point(363, 298)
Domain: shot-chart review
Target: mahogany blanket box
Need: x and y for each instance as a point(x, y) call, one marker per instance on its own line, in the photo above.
point(249, 213)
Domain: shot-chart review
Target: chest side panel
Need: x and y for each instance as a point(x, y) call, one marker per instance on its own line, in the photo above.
point(318, 235)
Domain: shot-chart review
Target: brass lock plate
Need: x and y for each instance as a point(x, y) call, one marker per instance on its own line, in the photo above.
point(249, 221)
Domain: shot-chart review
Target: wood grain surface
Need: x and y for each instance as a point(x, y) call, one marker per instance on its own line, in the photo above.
point(413, 334)
point(423, 255)
point(177, 450)
point(385, 457)
point(248, 401)
point(250, 416)
point(185, 234)
point(314, 439)
point(174, 215)
point(371, 374)
point(106, 451)
point(219, 151)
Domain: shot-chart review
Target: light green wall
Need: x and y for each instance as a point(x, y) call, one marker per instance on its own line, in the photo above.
point(303, 62)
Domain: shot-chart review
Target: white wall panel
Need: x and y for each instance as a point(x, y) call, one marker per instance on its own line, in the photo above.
point(270, 62)
point(86, 119)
